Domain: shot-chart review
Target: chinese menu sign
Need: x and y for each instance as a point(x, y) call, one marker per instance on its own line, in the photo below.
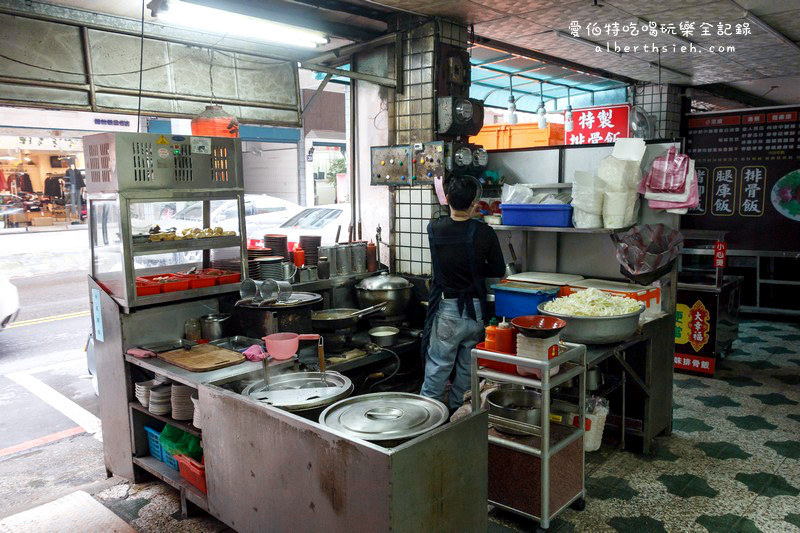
point(748, 172)
point(594, 125)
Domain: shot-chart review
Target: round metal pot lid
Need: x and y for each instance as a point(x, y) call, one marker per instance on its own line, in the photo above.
point(383, 282)
point(296, 391)
point(298, 299)
point(385, 416)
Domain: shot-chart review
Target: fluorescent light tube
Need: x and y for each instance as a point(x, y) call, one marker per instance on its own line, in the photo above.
point(210, 20)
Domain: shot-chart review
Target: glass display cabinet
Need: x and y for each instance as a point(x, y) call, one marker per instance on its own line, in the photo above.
point(166, 216)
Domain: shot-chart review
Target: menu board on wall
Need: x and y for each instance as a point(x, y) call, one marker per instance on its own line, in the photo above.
point(748, 172)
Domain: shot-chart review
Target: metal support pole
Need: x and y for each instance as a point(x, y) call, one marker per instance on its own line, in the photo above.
point(353, 155)
point(318, 92)
point(87, 61)
point(545, 447)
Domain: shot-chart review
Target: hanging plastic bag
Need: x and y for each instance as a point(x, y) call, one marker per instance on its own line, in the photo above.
point(647, 249)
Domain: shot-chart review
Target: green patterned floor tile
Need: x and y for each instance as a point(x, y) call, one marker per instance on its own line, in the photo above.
point(769, 485)
point(777, 350)
point(795, 361)
point(691, 383)
point(790, 379)
point(792, 337)
point(786, 448)
point(608, 487)
point(690, 425)
point(774, 398)
point(765, 328)
point(661, 454)
point(760, 364)
point(751, 422)
point(636, 524)
point(796, 418)
point(717, 401)
point(728, 523)
point(723, 450)
point(793, 518)
point(687, 486)
point(740, 381)
point(750, 340)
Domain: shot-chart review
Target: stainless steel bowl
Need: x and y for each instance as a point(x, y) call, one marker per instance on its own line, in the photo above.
point(522, 405)
point(384, 336)
point(597, 329)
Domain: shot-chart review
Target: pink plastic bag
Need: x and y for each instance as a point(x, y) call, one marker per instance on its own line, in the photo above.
point(691, 202)
point(668, 173)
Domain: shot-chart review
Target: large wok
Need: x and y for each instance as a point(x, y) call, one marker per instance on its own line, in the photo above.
point(342, 318)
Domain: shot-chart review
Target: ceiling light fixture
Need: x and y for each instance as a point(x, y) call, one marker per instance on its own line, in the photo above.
point(769, 29)
point(512, 102)
point(586, 42)
point(218, 21)
point(541, 111)
point(568, 124)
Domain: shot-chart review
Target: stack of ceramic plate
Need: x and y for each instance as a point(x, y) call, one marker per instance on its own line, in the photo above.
point(160, 400)
point(196, 418)
point(252, 260)
point(278, 243)
point(270, 267)
point(310, 245)
point(182, 406)
point(143, 391)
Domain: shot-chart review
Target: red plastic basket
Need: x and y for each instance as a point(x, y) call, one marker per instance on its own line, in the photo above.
point(193, 472)
point(508, 368)
point(222, 277)
point(172, 284)
point(147, 288)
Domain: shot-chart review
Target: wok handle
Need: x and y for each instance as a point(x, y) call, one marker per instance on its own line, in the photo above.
point(308, 337)
point(370, 310)
point(321, 355)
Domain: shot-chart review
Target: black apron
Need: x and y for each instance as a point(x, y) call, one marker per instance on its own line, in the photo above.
point(478, 285)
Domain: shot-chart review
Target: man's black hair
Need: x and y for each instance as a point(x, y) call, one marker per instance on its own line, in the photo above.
point(461, 192)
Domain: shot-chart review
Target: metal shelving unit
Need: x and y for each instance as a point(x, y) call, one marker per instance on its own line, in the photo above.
point(575, 354)
point(553, 229)
point(173, 478)
point(188, 245)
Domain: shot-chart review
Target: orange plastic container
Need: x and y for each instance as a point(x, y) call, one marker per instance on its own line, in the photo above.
point(193, 472)
point(528, 135)
point(505, 338)
point(508, 368)
point(491, 337)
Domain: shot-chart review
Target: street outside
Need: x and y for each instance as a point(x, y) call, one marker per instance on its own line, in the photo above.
point(50, 438)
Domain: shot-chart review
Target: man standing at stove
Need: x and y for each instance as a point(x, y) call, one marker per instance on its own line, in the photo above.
point(464, 252)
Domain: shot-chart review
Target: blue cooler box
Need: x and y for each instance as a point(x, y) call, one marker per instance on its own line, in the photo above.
point(520, 299)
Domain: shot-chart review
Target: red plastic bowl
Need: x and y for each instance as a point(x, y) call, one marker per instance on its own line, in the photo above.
point(538, 326)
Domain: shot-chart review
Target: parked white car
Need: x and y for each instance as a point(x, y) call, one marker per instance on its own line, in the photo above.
point(9, 302)
point(322, 220)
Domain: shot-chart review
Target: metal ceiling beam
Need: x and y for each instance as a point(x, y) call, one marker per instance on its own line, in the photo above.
point(504, 57)
point(534, 79)
point(732, 93)
point(500, 46)
point(504, 73)
point(318, 92)
point(378, 80)
point(528, 93)
point(340, 56)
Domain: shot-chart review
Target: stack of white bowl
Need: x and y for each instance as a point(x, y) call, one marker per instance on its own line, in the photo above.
point(196, 419)
point(160, 400)
point(143, 391)
point(182, 406)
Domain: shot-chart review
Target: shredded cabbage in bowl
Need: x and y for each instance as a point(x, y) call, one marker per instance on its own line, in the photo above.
point(592, 302)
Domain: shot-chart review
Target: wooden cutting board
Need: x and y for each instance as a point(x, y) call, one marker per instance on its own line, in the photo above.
point(202, 358)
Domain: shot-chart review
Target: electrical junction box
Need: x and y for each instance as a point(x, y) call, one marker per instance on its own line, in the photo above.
point(414, 164)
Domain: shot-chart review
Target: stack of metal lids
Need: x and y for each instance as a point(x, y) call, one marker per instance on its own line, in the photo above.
point(253, 254)
point(310, 245)
point(385, 416)
point(269, 268)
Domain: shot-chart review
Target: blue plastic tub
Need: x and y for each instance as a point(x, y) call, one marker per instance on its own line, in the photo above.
point(520, 299)
point(552, 215)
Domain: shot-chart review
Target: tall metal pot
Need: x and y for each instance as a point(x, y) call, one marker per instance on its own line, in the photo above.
point(385, 288)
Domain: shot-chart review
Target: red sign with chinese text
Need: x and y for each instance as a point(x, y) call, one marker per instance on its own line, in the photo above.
point(712, 122)
point(695, 363)
point(699, 326)
point(720, 254)
point(599, 124)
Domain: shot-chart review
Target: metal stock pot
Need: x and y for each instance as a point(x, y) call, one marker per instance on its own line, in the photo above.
point(385, 288)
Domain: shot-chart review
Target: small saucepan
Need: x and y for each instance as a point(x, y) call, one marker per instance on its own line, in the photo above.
point(384, 336)
point(283, 346)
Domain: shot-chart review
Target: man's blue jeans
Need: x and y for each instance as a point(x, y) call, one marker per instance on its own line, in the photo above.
point(452, 338)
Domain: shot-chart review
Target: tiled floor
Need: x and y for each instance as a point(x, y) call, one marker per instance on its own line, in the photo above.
point(732, 463)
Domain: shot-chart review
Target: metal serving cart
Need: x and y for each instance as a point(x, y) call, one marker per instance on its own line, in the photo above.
point(134, 180)
point(546, 450)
